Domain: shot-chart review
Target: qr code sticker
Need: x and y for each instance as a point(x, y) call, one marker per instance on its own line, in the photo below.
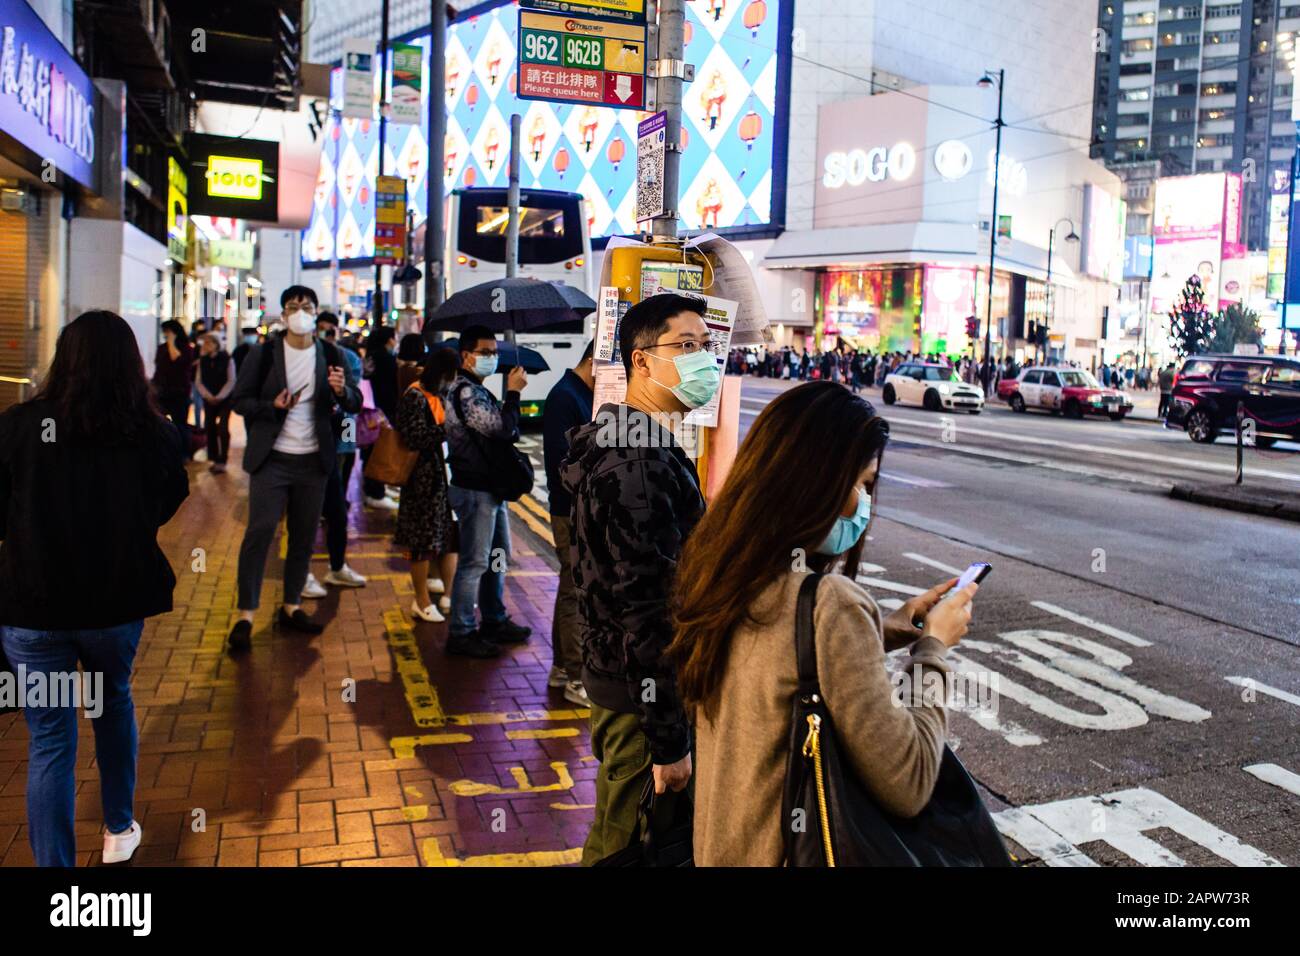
point(649, 184)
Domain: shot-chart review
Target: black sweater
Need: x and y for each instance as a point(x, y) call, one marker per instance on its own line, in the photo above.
point(79, 522)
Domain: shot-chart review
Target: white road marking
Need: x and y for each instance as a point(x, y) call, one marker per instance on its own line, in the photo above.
point(890, 585)
point(990, 718)
point(1277, 776)
point(1255, 685)
point(1088, 622)
point(945, 568)
point(918, 482)
point(1049, 463)
point(1053, 831)
point(1163, 459)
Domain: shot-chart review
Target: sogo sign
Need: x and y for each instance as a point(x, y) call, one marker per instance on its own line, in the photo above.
point(858, 166)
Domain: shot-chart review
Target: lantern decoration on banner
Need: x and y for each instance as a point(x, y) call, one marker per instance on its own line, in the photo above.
point(751, 126)
point(561, 161)
point(687, 33)
point(716, 7)
point(365, 127)
point(491, 143)
point(686, 138)
point(587, 125)
point(449, 155)
point(365, 195)
point(537, 136)
point(471, 95)
point(755, 14)
point(511, 83)
point(615, 151)
point(471, 174)
point(335, 132)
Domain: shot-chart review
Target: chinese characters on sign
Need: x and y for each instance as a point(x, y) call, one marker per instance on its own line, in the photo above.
point(574, 60)
point(390, 220)
point(358, 79)
point(408, 66)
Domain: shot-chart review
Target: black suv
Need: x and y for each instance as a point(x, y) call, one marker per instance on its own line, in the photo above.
point(1209, 387)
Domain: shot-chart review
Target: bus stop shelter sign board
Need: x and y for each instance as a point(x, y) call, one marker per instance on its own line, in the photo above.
point(629, 11)
point(581, 60)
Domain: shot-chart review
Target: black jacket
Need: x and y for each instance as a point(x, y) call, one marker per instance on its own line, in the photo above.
point(80, 519)
point(636, 497)
point(262, 377)
point(568, 405)
point(471, 408)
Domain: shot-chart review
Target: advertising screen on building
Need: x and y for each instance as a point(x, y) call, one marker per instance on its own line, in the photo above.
point(730, 127)
point(1196, 222)
point(1103, 234)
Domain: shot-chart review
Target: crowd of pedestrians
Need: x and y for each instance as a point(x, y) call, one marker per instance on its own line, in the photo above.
point(673, 618)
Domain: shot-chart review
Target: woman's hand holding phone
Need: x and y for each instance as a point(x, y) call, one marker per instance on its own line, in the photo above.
point(949, 619)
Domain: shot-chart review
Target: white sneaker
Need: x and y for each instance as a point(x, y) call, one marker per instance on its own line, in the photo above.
point(429, 613)
point(382, 504)
point(313, 588)
point(118, 847)
point(444, 604)
point(345, 577)
point(558, 677)
point(392, 491)
point(575, 693)
point(436, 586)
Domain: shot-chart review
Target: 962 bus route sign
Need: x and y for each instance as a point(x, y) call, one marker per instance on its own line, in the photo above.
point(572, 59)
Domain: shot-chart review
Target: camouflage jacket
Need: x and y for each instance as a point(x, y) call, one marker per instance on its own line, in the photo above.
point(636, 497)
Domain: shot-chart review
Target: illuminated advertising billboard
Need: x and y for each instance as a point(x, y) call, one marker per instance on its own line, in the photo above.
point(733, 126)
point(1103, 234)
point(234, 177)
point(1196, 224)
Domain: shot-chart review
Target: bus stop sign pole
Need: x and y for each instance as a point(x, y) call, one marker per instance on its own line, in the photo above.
point(512, 201)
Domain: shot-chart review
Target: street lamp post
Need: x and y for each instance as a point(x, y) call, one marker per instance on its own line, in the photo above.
point(1049, 312)
point(986, 81)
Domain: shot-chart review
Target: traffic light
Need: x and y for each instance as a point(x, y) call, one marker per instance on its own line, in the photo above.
point(972, 328)
point(1033, 333)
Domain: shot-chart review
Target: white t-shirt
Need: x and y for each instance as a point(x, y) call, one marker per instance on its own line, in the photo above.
point(298, 436)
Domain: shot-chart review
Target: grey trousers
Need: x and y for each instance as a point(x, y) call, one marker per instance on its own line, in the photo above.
point(292, 486)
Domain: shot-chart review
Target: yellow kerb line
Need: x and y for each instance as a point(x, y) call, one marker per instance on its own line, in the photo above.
point(534, 525)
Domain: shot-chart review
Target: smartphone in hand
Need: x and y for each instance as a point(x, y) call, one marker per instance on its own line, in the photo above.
point(974, 574)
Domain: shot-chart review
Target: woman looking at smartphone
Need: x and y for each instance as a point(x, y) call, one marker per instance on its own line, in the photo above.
point(736, 589)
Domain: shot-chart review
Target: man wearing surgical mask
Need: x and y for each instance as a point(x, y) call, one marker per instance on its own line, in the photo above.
point(475, 421)
point(287, 391)
point(636, 498)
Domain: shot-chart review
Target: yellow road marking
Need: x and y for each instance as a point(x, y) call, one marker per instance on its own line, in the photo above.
point(471, 788)
point(529, 502)
point(431, 850)
point(415, 814)
point(537, 527)
point(573, 806)
point(404, 747)
point(421, 695)
point(541, 734)
point(518, 716)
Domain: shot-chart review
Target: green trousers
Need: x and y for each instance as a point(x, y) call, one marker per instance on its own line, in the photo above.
point(623, 750)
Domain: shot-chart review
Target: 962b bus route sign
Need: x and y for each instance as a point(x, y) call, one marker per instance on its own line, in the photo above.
point(581, 60)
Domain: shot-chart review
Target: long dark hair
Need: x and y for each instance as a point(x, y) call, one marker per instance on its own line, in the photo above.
point(439, 369)
point(96, 382)
point(813, 441)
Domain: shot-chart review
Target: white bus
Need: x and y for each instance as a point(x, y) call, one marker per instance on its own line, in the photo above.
point(554, 245)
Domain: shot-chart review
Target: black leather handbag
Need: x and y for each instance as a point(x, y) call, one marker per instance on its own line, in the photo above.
point(666, 845)
point(843, 824)
point(509, 471)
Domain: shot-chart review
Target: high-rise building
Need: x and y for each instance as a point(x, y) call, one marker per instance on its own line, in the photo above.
point(1198, 87)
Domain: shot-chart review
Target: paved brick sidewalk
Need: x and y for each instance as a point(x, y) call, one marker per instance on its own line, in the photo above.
point(366, 746)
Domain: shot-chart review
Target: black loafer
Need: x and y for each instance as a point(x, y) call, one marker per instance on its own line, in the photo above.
point(507, 632)
point(298, 621)
point(472, 645)
point(241, 637)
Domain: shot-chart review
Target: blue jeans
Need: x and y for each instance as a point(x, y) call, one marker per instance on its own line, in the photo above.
point(52, 752)
point(480, 575)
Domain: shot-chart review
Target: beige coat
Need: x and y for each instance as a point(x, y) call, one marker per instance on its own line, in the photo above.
point(741, 754)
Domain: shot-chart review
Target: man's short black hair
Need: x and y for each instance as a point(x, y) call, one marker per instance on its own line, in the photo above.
point(298, 292)
point(642, 324)
point(329, 318)
point(588, 352)
point(472, 335)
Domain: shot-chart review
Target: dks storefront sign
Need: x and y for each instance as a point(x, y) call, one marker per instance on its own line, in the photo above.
point(46, 100)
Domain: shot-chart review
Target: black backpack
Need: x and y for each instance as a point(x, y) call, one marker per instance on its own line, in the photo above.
point(509, 471)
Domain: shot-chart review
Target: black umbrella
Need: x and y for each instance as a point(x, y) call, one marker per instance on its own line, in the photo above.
point(510, 304)
point(508, 354)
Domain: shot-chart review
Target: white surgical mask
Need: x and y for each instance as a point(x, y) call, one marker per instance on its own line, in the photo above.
point(301, 323)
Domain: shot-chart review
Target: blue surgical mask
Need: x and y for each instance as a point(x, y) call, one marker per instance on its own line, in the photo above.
point(846, 531)
point(250, 339)
point(484, 365)
point(699, 376)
